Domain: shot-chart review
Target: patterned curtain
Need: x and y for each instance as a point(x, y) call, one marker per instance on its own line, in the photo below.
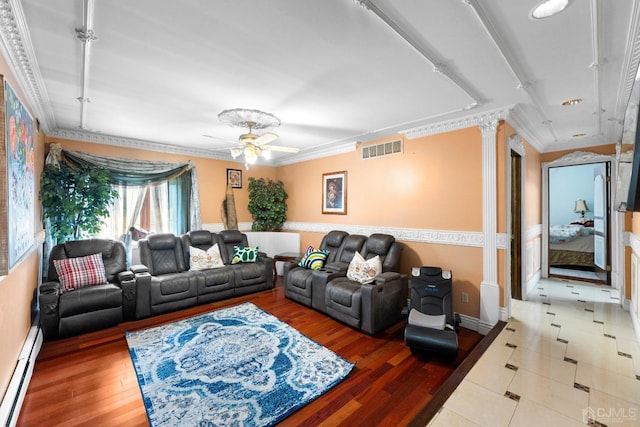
point(131, 177)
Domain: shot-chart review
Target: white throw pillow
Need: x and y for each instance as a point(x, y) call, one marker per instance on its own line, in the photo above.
point(203, 260)
point(364, 271)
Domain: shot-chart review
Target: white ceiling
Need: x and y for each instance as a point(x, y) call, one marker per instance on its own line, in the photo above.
point(335, 72)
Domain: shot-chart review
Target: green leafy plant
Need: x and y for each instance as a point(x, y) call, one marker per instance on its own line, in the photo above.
point(267, 204)
point(74, 201)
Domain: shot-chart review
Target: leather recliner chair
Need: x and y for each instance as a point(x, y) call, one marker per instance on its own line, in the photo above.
point(89, 308)
point(371, 307)
point(249, 277)
point(214, 284)
point(337, 268)
point(172, 286)
point(298, 280)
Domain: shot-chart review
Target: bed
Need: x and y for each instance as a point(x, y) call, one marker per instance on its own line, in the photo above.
point(571, 245)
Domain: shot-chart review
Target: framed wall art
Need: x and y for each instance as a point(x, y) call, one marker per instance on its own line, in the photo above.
point(234, 178)
point(334, 193)
point(20, 163)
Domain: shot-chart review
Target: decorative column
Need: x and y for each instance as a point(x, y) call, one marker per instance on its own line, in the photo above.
point(489, 289)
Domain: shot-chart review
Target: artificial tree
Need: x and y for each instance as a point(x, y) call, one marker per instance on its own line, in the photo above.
point(75, 200)
point(267, 204)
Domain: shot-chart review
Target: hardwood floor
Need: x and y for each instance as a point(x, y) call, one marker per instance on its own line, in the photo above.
point(90, 380)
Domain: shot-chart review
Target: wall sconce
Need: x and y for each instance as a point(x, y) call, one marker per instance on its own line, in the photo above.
point(581, 207)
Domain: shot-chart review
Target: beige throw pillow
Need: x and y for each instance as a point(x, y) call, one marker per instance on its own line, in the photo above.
point(203, 260)
point(364, 271)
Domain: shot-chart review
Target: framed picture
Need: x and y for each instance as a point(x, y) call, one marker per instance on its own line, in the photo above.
point(234, 177)
point(19, 168)
point(334, 193)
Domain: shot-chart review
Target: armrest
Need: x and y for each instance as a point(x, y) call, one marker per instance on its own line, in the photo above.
point(124, 276)
point(139, 268)
point(49, 318)
point(383, 301)
point(386, 277)
point(142, 293)
point(127, 282)
point(288, 266)
point(319, 280)
point(337, 267)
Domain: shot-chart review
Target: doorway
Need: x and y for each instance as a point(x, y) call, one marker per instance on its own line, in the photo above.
point(578, 223)
point(516, 225)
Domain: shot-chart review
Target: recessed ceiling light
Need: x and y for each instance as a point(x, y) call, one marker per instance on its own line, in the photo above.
point(548, 8)
point(572, 102)
point(578, 135)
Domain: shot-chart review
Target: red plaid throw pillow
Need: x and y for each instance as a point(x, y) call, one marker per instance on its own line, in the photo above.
point(76, 273)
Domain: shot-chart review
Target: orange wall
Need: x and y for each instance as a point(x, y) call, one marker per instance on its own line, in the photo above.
point(436, 185)
point(17, 288)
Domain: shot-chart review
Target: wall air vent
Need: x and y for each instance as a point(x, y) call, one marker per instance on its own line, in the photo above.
point(382, 149)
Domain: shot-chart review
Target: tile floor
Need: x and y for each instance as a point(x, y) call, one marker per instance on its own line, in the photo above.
point(568, 357)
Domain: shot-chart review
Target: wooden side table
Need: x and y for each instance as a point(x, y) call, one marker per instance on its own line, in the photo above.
point(284, 257)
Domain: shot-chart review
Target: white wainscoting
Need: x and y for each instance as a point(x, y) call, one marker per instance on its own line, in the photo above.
point(274, 242)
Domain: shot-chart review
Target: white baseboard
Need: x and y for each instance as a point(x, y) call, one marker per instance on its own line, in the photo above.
point(634, 320)
point(469, 322)
point(17, 389)
point(531, 284)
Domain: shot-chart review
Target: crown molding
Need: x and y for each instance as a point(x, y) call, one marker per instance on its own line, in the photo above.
point(476, 119)
point(16, 46)
point(316, 153)
point(580, 157)
point(98, 138)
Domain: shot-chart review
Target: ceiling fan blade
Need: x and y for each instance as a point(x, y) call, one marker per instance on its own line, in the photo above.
point(265, 138)
point(236, 151)
point(282, 149)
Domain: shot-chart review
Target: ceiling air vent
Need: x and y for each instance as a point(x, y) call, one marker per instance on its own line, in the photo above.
point(382, 149)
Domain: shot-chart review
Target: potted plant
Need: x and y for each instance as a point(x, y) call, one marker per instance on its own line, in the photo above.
point(267, 204)
point(74, 201)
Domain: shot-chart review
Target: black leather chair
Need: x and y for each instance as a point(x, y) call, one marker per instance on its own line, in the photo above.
point(435, 326)
point(337, 268)
point(298, 280)
point(213, 284)
point(249, 277)
point(371, 307)
point(90, 308)
point(172, 287)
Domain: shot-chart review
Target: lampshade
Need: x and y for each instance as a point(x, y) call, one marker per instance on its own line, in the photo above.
point(250, 155)
point(581, 207)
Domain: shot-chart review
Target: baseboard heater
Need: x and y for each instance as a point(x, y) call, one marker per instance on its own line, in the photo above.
point(14, 396)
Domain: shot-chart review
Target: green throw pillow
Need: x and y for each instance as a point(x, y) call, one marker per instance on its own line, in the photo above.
point(244, 254)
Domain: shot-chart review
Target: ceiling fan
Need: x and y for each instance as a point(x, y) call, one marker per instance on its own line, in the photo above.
point(250, 144)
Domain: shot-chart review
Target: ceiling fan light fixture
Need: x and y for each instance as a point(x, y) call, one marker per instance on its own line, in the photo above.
point(250, 155)
point(548, 8)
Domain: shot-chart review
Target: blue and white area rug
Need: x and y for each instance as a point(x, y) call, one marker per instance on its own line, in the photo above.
point(238, 366)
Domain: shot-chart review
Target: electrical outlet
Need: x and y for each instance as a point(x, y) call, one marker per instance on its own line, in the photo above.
point(465, 297)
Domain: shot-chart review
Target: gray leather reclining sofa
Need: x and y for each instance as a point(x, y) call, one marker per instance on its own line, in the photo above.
point(368, 307)
point(164, 282)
